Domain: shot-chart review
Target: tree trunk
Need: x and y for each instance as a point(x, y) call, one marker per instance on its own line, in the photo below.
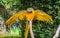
point(31, 32)
point(57, 32)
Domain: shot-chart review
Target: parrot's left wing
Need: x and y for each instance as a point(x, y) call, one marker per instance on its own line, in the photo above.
point(42, 16)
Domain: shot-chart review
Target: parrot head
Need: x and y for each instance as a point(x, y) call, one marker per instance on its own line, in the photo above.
point(29, 10)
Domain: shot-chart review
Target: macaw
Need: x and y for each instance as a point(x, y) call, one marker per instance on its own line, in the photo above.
point(30, 14)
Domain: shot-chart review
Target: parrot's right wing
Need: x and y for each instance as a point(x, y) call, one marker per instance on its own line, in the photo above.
point(20, 15)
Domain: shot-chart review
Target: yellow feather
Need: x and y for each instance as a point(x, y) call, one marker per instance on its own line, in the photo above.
point(19, 15)
point(26, 30)
point(41, 16)
point(22, 15)
point(30, 16)
point(11, 20)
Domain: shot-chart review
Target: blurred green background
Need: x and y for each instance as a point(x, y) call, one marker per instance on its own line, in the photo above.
point(40, 29)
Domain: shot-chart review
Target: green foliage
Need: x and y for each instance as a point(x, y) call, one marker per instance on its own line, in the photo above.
point(51, 7)
point(15, 31)
point(10, 3)
point(1, 19)
point(11, 37)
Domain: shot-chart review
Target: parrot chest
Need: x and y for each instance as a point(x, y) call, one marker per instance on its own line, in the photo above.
point(30, 16)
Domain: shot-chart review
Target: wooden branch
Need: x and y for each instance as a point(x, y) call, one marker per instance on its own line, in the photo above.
point(57, 32)
point(31, 32)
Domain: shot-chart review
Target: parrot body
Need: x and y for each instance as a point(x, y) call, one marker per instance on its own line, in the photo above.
point(34, 15)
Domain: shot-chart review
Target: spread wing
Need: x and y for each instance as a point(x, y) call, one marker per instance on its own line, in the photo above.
point(22, 15)
point(41, 16)
point(12, 19)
